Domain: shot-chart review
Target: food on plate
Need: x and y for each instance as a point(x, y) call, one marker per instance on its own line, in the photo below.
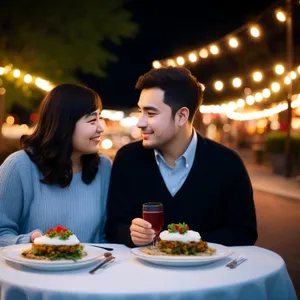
point(58, 243)
point(179, 240)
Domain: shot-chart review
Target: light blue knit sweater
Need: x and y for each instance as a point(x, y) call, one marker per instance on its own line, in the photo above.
point(27, 205)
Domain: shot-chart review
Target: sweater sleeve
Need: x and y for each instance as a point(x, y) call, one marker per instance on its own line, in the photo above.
point(11, 202)
point(239, 217)
point(119, 215)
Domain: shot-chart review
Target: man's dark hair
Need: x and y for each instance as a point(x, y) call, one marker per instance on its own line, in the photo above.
point(181, 88)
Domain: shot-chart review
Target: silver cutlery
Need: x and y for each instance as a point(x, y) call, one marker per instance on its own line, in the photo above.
point(105, 248)
point(237, 261)
point(234, 260)
point(108, 259)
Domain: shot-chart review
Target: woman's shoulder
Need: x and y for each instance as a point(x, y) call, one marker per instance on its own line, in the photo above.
point(17, 163)
point(105, 160)
point(104, 167)
point(17, 158)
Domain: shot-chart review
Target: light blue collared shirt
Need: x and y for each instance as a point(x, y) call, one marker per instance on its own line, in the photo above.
point(175, 177)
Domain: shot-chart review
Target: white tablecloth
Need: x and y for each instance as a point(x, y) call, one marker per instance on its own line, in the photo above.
point(263, 276)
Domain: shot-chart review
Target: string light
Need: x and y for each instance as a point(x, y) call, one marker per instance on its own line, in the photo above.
point(293, 75)
point(265, 112)
point(258, 97)
point(193, 57)
point(180, 61)
point(233, 43)
point(203, 53)
point(237, 82)
point(240, 103)
point(258, 114)
point(250, 99)
point(27, 78)
point(254, 31)
point(287, 80)
point(16, 73)
point(280, 15)
point(257, 76)
point(156, 64)
point(171, 62)
point(41, 83)
point(266, 93)
point(279, 69)
point(219, 85)
point(213, 49)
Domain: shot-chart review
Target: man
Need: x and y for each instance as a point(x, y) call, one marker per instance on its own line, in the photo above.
point(200, 182)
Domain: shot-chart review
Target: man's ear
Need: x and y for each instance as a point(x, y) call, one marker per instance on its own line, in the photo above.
point(182, 116)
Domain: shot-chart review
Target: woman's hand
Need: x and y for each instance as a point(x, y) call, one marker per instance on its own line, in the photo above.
point(35, 235)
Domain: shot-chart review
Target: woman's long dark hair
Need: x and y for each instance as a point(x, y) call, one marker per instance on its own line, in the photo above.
point(50, 145)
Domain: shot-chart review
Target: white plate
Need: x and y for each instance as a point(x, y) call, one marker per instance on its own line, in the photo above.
point(13, 254)
point(221, 252)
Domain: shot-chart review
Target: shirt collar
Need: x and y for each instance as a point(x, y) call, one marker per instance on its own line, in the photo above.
point(188, 155)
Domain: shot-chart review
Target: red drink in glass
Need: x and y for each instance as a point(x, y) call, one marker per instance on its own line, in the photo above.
point(153, 212)
point(156, 218)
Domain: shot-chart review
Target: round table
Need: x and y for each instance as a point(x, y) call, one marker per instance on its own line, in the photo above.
point(263, 276)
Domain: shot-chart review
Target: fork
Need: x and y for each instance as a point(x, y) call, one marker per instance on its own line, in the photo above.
point(238, 263)
point(234, 263)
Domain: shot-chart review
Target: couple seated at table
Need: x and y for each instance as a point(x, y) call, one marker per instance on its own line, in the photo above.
point(59, 178)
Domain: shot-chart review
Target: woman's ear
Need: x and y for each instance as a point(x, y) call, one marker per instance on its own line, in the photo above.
point(182, 116)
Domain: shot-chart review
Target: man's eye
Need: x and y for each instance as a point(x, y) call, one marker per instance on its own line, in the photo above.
point(151, 114)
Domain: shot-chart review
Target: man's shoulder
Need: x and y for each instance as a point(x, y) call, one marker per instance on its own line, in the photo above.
point(131, 148)
point(133, 153)
point(220, 151)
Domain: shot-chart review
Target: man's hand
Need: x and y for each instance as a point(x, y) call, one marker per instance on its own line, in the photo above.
point(35, 235)
point(141, 232)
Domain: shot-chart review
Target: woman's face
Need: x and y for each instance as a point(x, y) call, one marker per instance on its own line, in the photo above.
point(87, 133)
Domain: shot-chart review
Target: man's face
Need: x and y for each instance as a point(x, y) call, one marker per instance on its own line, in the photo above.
point(156, 123)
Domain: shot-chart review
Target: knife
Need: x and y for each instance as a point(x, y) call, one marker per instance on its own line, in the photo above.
point(103, 264)
point(105, 248)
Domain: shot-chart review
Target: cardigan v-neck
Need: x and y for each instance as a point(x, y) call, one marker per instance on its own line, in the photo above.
point(216, 198)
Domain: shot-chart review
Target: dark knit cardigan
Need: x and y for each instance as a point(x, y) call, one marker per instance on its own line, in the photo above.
point(216, 199)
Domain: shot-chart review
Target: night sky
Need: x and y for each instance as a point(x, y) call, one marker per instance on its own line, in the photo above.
point(167, 29)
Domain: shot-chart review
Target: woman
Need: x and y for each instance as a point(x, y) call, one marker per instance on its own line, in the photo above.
point(58, 178)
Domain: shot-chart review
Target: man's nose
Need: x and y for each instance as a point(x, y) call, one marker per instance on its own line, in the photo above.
point(142, 122)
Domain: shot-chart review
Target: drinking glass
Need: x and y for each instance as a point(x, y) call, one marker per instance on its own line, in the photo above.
point(153, 212)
